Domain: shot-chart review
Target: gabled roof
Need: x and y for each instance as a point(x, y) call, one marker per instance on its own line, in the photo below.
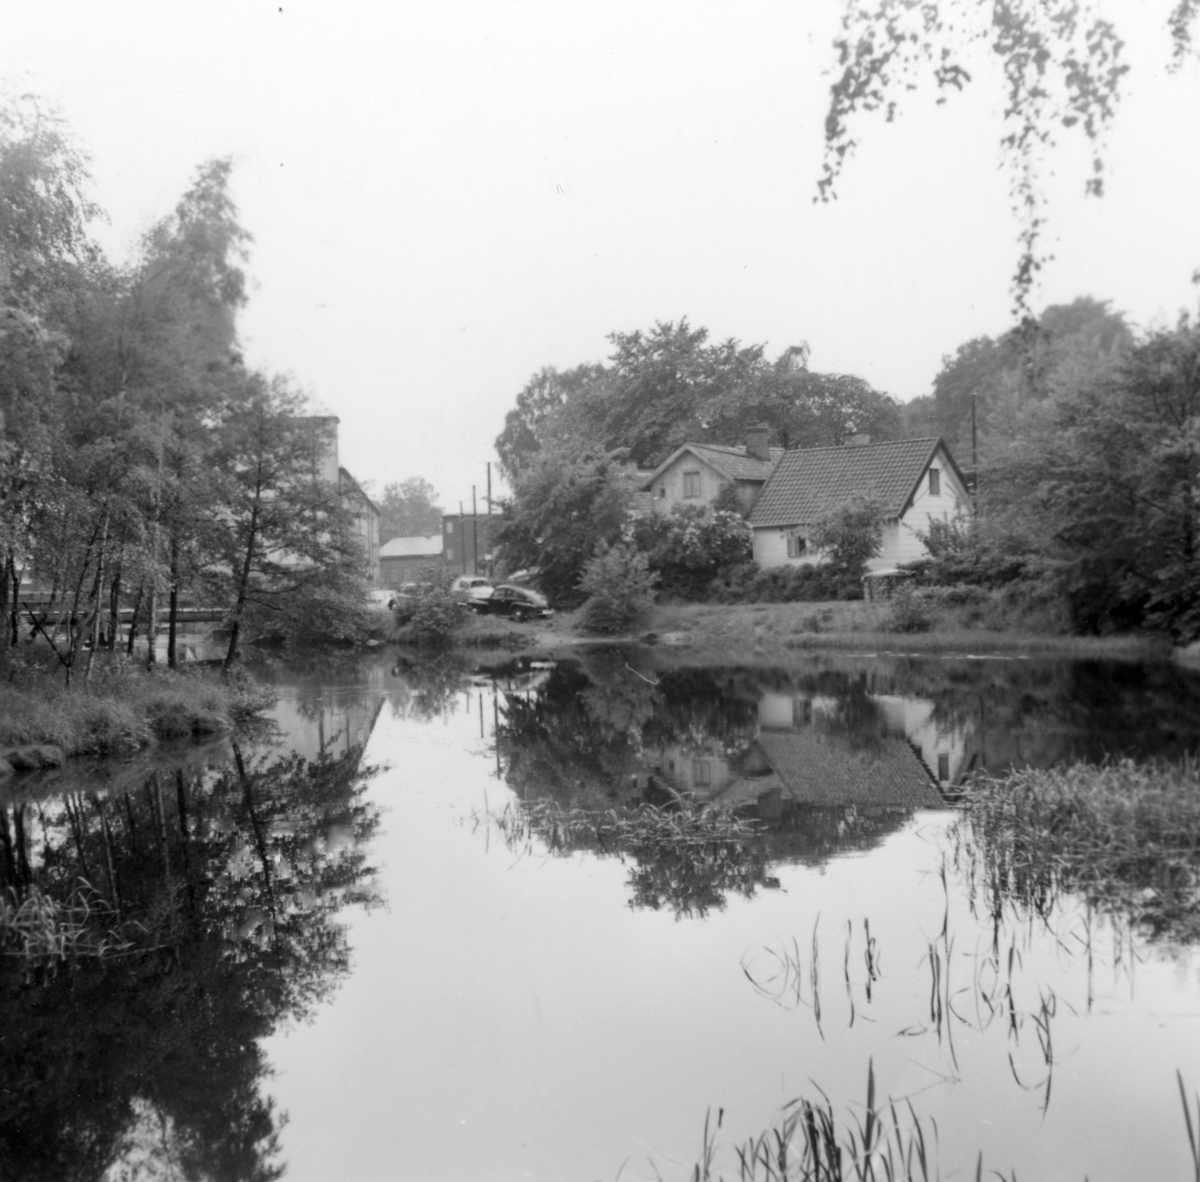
point(817, 769)
point(734, 463)
point(807, 483)
point(417, 547)
point(348, 483)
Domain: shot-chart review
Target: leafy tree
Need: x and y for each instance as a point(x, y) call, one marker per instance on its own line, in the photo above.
point(997, 378)
point(619, 586)
point(279, 532)
point(565, 506)
point(850, 534)
point(408, 509)
point(1062, 67)
point(541, 415)
point(803, 409)
point(691, 547)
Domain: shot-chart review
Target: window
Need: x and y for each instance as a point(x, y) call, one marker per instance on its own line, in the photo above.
point(701, 775)
point(449, 527)
point(662, 491)
point(797, 544)
point(691, 484)
point(943, 766)
point(935, 482)
point(449, 553)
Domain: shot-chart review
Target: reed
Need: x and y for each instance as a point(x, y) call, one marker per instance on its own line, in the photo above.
point(43, 933)
point(1125, 836)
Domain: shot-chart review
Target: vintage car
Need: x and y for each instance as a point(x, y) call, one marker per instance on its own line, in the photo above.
point(518, 603)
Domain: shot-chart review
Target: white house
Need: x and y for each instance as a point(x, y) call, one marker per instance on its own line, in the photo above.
point(695, 473)
point(917, 481)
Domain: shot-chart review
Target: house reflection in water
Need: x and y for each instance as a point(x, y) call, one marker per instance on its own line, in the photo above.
point(867, 752)
point(317, 719)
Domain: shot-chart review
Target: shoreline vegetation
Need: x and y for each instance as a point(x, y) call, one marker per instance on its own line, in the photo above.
point(780, 631)
point(121, 709)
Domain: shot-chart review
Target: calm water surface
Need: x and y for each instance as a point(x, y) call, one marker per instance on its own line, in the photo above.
point(387, 922)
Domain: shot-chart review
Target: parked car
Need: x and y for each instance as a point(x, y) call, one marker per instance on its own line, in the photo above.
point(471, 588)
point(518, 603)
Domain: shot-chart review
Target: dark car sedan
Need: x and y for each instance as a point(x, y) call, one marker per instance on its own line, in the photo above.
point(518, 603)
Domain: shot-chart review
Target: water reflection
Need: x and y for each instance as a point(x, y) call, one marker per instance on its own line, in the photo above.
point(159, 927)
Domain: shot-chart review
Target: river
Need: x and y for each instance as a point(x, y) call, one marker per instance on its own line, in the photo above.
point(597, 918)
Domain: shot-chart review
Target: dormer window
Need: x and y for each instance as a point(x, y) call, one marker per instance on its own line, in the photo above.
point(935, 482)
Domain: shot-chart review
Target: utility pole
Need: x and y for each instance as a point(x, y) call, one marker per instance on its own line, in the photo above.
point(462, 519)
point(475, 530)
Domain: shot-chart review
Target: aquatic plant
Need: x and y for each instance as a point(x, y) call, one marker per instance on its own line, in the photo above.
point(1123, 836)
point(44, 932)
point(684, 857)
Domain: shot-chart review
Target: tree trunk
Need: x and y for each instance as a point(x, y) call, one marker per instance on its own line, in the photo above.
point(133, 619)
point(114, 611)
point(8, 610)
point(243, 587)
point(173, 605)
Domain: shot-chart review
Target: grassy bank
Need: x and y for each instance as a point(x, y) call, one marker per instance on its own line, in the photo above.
point(767, 629)
point(122, 708)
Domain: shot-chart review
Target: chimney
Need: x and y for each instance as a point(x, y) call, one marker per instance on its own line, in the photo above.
point(758, 441)
point(859, 440)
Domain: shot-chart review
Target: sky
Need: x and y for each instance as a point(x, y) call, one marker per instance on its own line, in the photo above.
point(447, 196)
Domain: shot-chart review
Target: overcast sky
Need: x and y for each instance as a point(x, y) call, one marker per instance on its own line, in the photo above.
point(446, 197)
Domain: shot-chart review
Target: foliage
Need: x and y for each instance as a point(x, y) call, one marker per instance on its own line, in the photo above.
point(436, 614)
point(409, 509)
point(807, 583)
point(566, 505)
point(1123, 835)
point(619, 586)
point(1103, 484)
point(139, 459)
point(689, 548)
point(1062, 66)
point(908, 611)
point(849, 534)
point(668, 385)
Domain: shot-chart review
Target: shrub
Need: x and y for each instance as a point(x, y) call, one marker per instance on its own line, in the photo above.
point(908, 611)
point(435, 613)
point(619, 586)
point(691, 547)
point(850, 533)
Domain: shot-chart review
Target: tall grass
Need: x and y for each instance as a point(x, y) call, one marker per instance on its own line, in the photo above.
point(122, 708)
point(44, 933)
point(1124, 836)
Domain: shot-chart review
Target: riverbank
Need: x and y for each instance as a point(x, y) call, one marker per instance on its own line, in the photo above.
point(775, 630)
point(123, 708)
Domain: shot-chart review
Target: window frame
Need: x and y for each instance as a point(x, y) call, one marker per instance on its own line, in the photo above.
point(935, 482)
point(691, 475)
point(797, 543)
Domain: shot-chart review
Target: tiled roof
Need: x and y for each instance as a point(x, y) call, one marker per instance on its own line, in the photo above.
point(807, 483)
point(734, 463)
point(412, 547)
point(817, 769)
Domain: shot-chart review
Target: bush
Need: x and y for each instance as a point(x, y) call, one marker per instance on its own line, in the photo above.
point(691, 547)
point(908, 611)
point(435, 613)
point(750, 583)
point(619, 587)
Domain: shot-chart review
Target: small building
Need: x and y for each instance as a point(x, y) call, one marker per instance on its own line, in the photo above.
point(403, 560)
point(467, 542)
point(916, 480)
point(696, 473)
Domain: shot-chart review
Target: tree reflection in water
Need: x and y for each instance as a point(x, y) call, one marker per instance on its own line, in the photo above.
point(223, 882)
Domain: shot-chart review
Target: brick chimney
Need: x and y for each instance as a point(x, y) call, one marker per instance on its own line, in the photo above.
point(758, 441)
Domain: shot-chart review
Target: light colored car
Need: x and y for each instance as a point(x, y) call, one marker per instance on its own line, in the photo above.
point(471, 588)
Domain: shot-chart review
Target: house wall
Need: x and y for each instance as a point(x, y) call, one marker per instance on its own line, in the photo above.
point(668, 488)
point(407, 568)
point(900, 542)
point(464, 537)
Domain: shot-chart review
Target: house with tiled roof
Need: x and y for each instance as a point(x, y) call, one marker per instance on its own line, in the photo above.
point(695, 473)
point(916, 480)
